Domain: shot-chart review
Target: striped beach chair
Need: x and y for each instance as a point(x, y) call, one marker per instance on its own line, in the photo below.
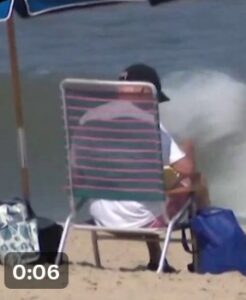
point(114, 152)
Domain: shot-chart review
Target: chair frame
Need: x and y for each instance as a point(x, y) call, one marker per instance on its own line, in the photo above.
point(173, 225)
point(139, 234)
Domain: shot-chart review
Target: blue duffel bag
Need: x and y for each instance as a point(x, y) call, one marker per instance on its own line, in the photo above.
point(220, 240)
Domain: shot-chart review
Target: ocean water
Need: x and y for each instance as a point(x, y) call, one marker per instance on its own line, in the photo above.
point(198, 48)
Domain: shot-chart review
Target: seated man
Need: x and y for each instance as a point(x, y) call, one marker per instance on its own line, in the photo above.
point(132, 214)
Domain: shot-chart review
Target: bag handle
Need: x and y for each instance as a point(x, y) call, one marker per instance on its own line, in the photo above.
point(184, 241)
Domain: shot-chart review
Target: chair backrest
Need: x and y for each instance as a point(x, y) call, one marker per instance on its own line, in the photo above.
point(113, 140)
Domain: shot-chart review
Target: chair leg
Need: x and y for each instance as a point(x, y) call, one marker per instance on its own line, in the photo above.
point(165, 246)
point(170, 227)
point(94, 238)
point(193, 239)
point(63, 238)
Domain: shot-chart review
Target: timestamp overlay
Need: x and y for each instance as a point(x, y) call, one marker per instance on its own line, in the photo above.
point(35, 275)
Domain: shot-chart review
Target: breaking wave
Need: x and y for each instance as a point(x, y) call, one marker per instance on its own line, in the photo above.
point(209, 107)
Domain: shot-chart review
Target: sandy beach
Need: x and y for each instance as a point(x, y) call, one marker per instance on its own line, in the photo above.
point(124, 276)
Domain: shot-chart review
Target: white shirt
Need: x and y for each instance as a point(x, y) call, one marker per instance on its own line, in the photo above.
point(133, 214)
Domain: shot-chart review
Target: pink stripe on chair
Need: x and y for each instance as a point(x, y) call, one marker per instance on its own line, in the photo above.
point(94, 99)
point(106, 139)
point(118, 149)
point(84, 108)
point(78, 108)
point(104, 129)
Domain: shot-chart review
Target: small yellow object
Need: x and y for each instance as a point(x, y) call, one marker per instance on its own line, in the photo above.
point(170, 177)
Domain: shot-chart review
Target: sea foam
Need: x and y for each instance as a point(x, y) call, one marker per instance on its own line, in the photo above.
point(209, 107)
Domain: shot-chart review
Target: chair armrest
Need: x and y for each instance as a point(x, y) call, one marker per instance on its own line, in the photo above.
point(194, 187)
point(180, 190)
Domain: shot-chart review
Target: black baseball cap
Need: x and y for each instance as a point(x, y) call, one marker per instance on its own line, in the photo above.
point(142, 72)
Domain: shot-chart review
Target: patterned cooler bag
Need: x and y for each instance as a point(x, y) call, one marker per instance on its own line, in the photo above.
point(18, 234)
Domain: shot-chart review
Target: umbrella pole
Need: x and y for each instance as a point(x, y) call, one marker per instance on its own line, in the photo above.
point(18, 108)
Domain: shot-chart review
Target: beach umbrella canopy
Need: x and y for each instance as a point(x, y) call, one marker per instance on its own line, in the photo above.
point(31, 8)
